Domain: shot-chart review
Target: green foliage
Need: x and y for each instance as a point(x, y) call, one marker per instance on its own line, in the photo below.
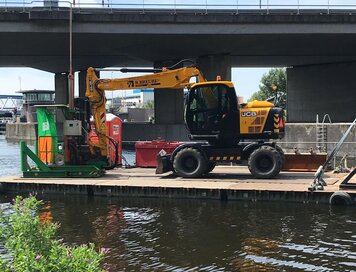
point(275, 77)
point(32, 244)
point(149, 105)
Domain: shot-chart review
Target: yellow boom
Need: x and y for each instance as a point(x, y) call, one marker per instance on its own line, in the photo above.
point(96, 87)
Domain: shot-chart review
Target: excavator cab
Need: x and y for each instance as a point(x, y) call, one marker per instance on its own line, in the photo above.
point(211, 112)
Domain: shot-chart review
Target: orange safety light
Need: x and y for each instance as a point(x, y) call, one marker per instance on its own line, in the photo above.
point(218, 78)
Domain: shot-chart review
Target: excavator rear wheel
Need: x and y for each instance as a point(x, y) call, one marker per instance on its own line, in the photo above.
point(265, 162)
point(189, 163)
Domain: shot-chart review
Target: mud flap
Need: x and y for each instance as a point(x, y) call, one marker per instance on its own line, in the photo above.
point(164, 164)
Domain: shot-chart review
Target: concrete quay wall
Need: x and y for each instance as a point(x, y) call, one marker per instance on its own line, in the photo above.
point(21, 131)
point(132, 132)
point(303, 136)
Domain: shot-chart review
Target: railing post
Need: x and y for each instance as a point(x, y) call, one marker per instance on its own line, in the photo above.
point(206, 6)
point(143, 6)
point(237, 6)
point(298, 11)
point(267, 6)
point(328, 7)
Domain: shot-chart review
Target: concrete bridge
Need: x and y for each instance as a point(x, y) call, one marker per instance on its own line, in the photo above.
point(316, 44)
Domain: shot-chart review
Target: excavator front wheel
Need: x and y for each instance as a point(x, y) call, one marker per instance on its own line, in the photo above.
point(265, 162)
point(189, 163)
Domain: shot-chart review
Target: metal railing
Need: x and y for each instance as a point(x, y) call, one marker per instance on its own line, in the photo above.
point(294, 7)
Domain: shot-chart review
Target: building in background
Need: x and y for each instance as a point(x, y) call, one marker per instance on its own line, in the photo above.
point(138, 99)
point(32, 98)
point(136, 107)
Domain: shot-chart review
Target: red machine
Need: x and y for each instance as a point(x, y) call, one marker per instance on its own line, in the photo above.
point(114, 130)
point(146, 151)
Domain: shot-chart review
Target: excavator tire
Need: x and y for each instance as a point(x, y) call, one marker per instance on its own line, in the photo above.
point(281, 152)
point(265, 162)
point(190, 163)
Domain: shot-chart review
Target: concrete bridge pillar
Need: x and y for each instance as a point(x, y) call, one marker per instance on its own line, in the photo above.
point(214, 65)
point(82, 83)
point(61, 88)
point(321, 89)
point(169, 104)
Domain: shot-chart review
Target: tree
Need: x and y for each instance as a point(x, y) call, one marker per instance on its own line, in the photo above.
point(149, 105)
point(273, 85)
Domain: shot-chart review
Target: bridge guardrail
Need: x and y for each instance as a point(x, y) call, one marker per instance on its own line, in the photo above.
point(231, 7)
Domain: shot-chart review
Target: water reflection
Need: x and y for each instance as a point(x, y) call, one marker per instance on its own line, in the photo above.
point(172, 235)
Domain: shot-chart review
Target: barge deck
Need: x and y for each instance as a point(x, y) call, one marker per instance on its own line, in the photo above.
point(224, 183)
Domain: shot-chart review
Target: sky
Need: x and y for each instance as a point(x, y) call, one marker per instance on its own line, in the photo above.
point(246, 80)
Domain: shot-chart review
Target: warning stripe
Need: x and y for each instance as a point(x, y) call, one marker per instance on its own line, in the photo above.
point(102, 117)
point(224, 158)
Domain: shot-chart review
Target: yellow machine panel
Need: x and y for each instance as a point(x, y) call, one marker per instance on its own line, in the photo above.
point(253, 120)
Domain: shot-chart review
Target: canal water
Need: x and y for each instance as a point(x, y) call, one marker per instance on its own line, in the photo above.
point(194, 235)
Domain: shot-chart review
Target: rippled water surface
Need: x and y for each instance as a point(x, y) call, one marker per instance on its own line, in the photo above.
point(192, 235)
point(9, 157)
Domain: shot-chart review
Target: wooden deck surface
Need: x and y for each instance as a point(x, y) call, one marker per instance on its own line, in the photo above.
point(223, 177)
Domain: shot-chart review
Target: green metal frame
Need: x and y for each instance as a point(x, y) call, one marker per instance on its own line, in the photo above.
point(42, 170)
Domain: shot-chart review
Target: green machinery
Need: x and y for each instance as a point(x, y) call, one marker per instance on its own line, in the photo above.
point(43, 170)
point(49, 159)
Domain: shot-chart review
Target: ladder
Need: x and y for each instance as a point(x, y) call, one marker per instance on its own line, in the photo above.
point(319, 182)
point(322, 133)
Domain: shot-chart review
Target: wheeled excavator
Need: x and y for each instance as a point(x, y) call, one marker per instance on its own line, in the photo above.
point(218, 125)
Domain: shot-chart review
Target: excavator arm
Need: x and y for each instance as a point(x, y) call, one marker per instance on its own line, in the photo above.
point(95, 92)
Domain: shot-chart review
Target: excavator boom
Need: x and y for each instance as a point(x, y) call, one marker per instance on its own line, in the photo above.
point(96, 87)
point(169, 79)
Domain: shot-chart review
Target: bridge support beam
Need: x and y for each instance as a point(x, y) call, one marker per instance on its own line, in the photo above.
point(61, 88)
point(214, 65)
point(321, 89)
point(169, 104)
point(82, 83)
